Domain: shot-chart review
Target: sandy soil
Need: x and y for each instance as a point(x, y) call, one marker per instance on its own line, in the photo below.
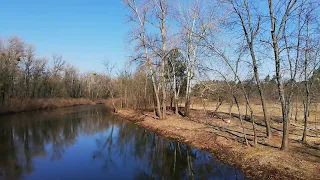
point(222, 135)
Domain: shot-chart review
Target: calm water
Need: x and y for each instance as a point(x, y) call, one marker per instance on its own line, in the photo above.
point(87, 142)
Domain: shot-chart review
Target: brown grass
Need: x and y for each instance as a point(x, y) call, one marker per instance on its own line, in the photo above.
point(17, 105)
point(225, 141)
point(274, 110)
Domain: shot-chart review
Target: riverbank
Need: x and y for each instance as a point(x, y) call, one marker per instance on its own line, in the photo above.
point(17, 105)
point(223, 138)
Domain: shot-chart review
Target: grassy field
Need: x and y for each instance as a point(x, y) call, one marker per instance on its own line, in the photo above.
point(274, 110)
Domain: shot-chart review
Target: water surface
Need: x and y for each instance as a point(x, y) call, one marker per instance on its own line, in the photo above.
point(87, 142)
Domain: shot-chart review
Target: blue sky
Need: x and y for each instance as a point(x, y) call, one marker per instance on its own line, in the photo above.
point(85, 32)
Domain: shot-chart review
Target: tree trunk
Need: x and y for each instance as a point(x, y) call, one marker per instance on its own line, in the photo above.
point(315, 119)
point(262, 99)
point(163, 10)
point(275, 36)
point(164, 103)
point(285, 119)
point(250, 36)
point(175, 90)
point(145, 93)
point(157, 100)
point(265, 114)
point(187, 107)
point(307, 86)
point(190, 69)
point(154, 85)
point(285, 133)
point(306, 112)
point(255, 138)
point(240, 117)
point(218, 106)
point(188, 91)
point(176, 104)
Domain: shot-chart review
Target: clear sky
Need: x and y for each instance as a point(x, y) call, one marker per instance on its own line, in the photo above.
point(85, 32)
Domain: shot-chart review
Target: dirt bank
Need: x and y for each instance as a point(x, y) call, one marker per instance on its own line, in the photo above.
point(224, 140)
point(22, 105)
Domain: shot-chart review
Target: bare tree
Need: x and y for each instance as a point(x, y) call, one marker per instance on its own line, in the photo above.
point(233, 88)
point(237, 79)
point(251, 27)
point(58, 64)
point(196, 21)
point(111, 85)
point(139, 17)
point(161, 13)
point(277, 30)
point(28, 62)
point(11, 56)
point(39, 71)
point(311, 59)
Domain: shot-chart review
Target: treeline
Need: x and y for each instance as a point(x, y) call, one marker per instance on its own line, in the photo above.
point(222, 50)
point(24, 75)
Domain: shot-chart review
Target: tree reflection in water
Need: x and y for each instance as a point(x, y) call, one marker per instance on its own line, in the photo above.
point(155, 157)
point(121, 149)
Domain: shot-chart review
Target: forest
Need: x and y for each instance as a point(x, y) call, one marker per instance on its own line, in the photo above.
point(42, 82)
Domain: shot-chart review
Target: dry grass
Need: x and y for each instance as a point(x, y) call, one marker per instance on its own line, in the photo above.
point(296, 129)
point(17, 105)
point(274, 109)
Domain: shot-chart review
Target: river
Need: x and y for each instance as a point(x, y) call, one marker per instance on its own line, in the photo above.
point(88, 142)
